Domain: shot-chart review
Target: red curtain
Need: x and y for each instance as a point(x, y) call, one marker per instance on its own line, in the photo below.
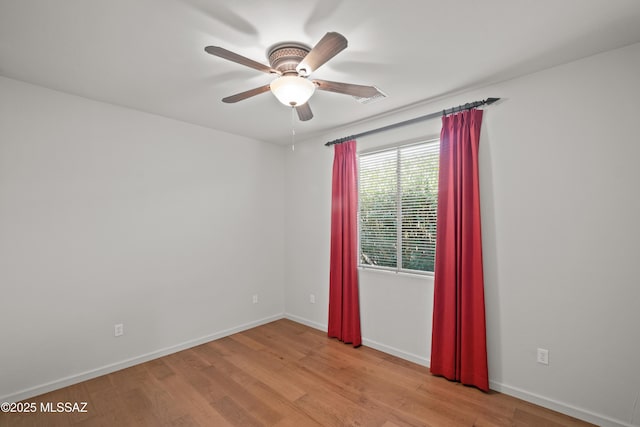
point(344, 305)
point(458, 343)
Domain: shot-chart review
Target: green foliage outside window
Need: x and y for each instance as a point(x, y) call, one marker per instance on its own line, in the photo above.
point(400, 183)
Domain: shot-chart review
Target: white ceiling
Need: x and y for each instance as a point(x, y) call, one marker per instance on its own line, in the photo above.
point(149, 54)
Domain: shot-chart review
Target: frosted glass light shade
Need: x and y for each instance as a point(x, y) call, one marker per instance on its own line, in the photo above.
point(292, 90)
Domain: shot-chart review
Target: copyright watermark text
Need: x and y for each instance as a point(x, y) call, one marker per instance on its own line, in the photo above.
point(27, 407)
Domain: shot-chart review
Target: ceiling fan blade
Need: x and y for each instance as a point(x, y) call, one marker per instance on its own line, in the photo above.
point(328, 47)
point(244, 95)
point(347, 88)
point(234, 57)
point(304, 112)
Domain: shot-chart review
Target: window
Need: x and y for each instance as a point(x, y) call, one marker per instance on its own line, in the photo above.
point(398, 195)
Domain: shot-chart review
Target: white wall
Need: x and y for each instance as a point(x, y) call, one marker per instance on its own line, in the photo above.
point(560, 205)
point(109, 215)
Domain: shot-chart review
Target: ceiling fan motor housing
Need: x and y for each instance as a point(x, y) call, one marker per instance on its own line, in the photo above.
point(284, 57)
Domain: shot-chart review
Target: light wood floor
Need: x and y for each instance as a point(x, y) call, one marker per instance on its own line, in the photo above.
point(283, 374)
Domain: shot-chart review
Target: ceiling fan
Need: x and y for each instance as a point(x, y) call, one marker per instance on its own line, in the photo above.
point(293, 63)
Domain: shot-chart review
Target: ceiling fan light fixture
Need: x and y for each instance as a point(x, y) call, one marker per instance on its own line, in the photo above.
point(292, 90)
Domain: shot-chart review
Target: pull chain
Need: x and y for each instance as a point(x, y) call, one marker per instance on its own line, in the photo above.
point(293, 129)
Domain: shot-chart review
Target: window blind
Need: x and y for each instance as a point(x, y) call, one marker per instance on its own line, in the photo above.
point(398, 191)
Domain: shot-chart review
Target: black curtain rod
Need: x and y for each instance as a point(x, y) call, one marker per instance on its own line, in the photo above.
point(467, 106)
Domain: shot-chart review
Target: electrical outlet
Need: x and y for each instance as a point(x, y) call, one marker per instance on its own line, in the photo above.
point(118, 329)
point(255, 298)
point(543, 356)
point(312, 298)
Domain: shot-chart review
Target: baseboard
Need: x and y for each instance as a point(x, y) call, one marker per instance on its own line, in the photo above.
point(309, 323)
point(369, 343)
point(113, 367)
point(397, 352)
point(564, 408)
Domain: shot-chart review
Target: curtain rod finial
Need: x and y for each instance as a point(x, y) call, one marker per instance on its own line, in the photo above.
point(491, 100)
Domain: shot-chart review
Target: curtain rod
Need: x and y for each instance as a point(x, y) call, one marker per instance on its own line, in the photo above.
point(467, 106)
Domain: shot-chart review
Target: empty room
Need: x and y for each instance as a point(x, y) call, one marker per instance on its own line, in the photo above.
point(319, 213)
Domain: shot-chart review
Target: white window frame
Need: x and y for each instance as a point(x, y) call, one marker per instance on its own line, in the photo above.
point(398, 268)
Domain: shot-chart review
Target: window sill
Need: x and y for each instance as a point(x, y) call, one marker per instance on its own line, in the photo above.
point(396, 273)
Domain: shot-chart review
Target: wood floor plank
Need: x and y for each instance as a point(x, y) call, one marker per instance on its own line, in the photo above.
point(194, 403)
point(162, 403)
point(283, 374)
point(235, 414)
point(243, 397)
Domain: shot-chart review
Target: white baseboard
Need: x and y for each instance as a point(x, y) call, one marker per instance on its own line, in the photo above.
point(565, 408)
point(113, 367)
point(397, 352)
point(309, 323)
point(369, 343)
